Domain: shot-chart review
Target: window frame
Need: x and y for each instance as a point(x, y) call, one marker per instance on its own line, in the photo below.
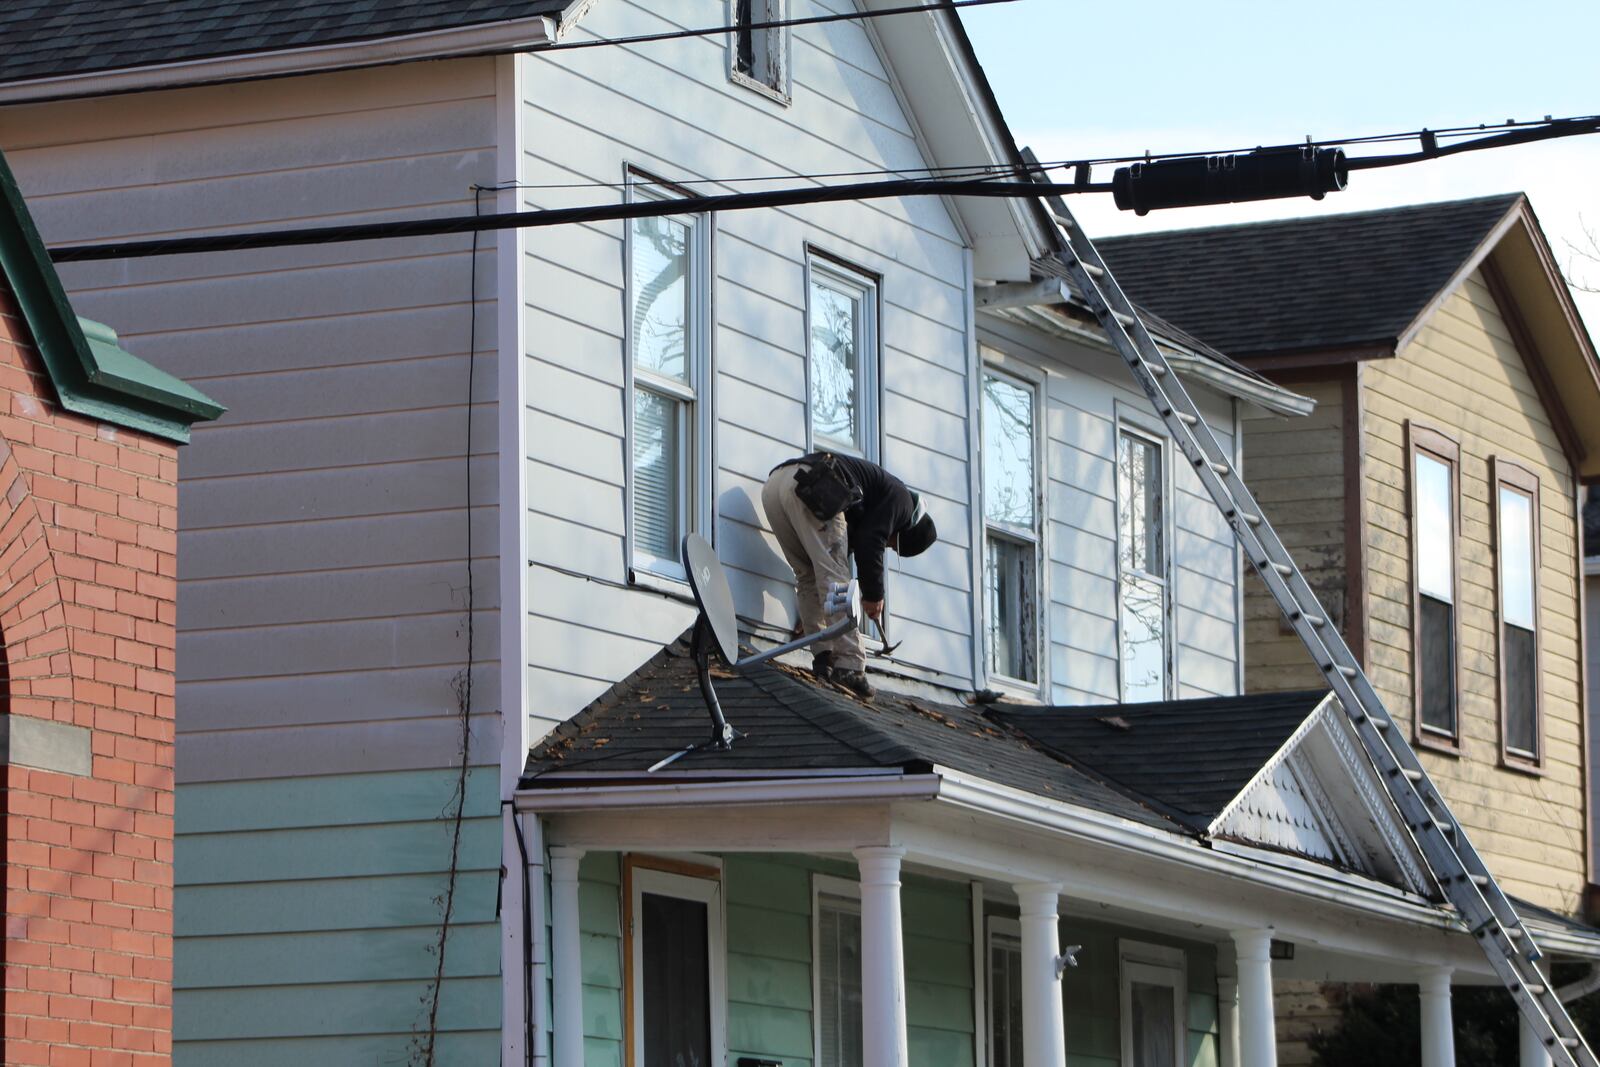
point(825, 885)
point(996, 928)
point(1148, 963)
point(994, 363)
point(845, 275)
point(1514, 476)
point(698, 464)
point(1426, 440)
point(1128, 422)
point(696, 880)
point(779, 45)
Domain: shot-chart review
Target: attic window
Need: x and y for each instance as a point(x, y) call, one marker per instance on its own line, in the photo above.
point(758, 52)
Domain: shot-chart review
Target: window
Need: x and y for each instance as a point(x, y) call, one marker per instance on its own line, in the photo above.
point(842, 349)
point(1005, 993)
point(668, 292)
point(674, 927)
point(1010, 511)
point(1516, 508)
point(1154, 993)
point(1143, 606)
point(1434, 522)
point(836, 929)
point(758, 58)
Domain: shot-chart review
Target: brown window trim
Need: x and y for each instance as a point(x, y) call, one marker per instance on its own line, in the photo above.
point(631, 862)
point(1505, 472)
point(1426, 439)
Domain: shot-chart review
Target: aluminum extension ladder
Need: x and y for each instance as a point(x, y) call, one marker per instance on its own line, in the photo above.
point(1454, 863)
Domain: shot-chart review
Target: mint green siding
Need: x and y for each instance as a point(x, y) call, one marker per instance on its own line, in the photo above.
point(308, 916)
point(769, 983)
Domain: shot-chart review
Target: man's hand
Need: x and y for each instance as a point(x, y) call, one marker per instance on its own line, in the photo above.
point(873, 608)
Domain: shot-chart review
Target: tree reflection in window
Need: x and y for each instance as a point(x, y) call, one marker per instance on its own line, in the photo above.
point(1142, 615)
point(660, 293)
point(835, 330)
point(1008, 487)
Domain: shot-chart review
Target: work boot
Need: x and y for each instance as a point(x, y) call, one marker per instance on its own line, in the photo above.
point(822, 665)
point(855, 681)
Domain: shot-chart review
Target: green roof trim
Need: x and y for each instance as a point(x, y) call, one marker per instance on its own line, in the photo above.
point(92, 375)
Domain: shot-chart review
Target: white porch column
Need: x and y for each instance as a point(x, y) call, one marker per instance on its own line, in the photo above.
point(1533, 1052)
point(1438, 1031)
point(1228, 1020)
point(883, 959)
point(1258, 1038)
point(566, 957)
point(1044, 1033)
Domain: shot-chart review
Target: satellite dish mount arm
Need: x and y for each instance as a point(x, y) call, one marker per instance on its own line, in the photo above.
point(722, 734)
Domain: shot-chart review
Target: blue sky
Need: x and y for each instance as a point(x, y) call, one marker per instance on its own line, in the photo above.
point(1080, 79)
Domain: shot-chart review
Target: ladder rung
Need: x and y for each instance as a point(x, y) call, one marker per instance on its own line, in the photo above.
point(1480, 880)
point(1536, 988)
point(1415, 776)
point(1283, 569)
point(1093, 270)
point(1571, 1042)
point(1124, 318)
point(1349, 672)
point(1066, 222)
point(1222, 469)
point(1188, 419)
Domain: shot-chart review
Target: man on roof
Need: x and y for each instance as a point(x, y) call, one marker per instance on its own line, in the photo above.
point(825, 508)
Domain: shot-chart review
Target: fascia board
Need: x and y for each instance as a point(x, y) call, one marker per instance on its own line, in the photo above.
point(852, 789)
point(483, 39)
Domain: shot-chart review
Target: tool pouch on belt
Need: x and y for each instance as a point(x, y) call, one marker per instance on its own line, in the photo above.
point(824, 488)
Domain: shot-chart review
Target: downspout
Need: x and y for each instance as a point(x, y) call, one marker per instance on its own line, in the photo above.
point(1580, 988)
point(537, 943)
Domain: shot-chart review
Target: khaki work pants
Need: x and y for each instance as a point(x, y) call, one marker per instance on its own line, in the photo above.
point(819, 554)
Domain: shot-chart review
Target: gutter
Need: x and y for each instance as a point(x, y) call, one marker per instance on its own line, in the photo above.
point(484, 39)
point(842, 790)
point(1038, 304)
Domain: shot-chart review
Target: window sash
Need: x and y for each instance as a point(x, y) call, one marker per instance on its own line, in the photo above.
point(1011, 592)
point(842, 390)
point(642, 882)
point(1435, 521)
point(1005, 999)
point(1153, 985)
point(668, 451)
point(1433, 475)
point(1010, 445)
point(840, 1024)
point(758, 55)
point(1516, 529)
point(1143, 591)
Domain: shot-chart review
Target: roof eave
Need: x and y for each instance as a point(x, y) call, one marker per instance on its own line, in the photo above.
point(461, 41)
point(1043, 309)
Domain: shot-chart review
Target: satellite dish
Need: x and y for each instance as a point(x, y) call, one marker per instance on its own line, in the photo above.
point(710, 584)
point(719, 626)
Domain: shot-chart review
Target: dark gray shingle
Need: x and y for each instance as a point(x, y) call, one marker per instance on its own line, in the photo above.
point(1324, 282)
point(41, 38)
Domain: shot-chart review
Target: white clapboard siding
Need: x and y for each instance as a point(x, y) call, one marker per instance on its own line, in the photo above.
point(323, 538)
point(670, 110)
point(1084, 392)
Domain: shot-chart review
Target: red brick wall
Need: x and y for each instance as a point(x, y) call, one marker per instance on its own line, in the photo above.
point(88, 519)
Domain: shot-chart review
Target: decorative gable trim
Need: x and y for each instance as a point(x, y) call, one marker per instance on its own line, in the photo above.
point(1319, 797)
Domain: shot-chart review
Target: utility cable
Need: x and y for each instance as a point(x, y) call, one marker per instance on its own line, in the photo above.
point(775, 24)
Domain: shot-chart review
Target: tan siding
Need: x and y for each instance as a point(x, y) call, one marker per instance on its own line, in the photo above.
point(1463, 375)
point(1296, 470)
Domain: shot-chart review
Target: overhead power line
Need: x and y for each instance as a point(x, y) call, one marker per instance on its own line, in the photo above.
point(775, 24)
point(989, 182)
point(508, 220)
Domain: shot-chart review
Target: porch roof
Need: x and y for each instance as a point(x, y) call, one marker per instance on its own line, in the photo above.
point(1173, 765)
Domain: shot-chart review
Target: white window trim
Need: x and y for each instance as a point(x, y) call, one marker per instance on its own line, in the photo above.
point(1133, 423)
point(823, 885)
point(997, 928)
point(996, 362)
point(697, 474)
point(708, 892)
point(1154, 965)
point(777, 10)
point(869, 353)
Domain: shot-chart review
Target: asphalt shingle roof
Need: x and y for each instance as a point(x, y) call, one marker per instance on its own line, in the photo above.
point(1178, 764)
point(1187, 758)
point(40, 38)
point(1325, 282)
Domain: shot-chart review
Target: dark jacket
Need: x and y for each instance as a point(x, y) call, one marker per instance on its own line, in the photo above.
point(886, 507)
